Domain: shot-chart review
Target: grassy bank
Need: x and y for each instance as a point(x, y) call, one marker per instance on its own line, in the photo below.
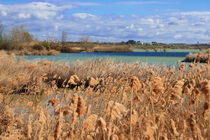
point(71, 47)
point(28, 48)
point(102, 100)
point(54, 48)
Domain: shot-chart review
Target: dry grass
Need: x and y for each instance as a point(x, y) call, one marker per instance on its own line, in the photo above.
point(103, 100)
point(201, 57)
point(92, 47)
point(111, 48)
point(27, 48)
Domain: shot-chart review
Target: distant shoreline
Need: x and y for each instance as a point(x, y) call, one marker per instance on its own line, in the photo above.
point(55, 48)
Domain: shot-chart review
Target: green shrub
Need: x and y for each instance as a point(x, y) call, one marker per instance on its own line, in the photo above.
point(46, 45)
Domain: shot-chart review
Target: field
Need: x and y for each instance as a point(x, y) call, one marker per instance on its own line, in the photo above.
point(101, 99)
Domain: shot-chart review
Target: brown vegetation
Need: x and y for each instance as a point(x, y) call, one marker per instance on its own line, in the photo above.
point(102, 100)
point(201, 57)
point(19, 41)
point(111, 48)
point(34, 52)
point(75, 47)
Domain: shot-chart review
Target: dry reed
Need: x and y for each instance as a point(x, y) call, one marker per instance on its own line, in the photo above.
point(103, 100)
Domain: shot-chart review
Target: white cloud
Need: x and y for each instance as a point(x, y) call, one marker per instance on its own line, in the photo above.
point(143, 2)
point(3, 13)
point(203, 15)
point(130, 27)
point(195, 13)
point(122, 28)
point(24, 15)
point(47, 18)
point(41, 10)
point(71, 2)
point(178, 36)
point(84, 15)
point(85, 3)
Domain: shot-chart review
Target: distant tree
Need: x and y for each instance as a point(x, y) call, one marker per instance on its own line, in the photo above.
point(154, 43)
point(122, 42)
point(139, 42)
point(19, 34)
point(1, 32)
point(131, 42)
point(64, 37)
point(50, 37)
point(85, 42)
point(85, 39)
point(4, 43)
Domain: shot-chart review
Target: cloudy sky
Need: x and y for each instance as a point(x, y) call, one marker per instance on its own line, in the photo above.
point(186, 21)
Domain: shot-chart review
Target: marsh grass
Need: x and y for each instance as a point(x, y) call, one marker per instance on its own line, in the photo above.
point(201, 57)
point(102, 99)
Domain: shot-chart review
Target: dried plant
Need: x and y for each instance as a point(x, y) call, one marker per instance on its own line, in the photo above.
point(101, 99)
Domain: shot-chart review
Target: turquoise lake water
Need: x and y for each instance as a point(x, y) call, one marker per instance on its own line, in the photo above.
point(150, 57)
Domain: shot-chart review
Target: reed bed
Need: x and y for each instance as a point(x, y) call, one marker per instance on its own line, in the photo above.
point(103, 100)
point(201, 57)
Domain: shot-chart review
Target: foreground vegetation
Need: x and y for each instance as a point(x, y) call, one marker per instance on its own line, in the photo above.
point(102, 100)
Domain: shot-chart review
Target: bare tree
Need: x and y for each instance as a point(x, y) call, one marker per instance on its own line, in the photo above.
point(50, 37)
point(84, 39)
point(64, 36)
point(1, 32)
point(85, 42)
point(20, 34)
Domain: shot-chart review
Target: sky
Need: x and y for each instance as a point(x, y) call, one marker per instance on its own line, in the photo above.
point(167, 21)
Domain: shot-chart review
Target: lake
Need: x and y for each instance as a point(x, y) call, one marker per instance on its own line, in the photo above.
point(150, 57)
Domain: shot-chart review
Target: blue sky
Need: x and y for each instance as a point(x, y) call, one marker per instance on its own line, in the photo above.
point(167, 21)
